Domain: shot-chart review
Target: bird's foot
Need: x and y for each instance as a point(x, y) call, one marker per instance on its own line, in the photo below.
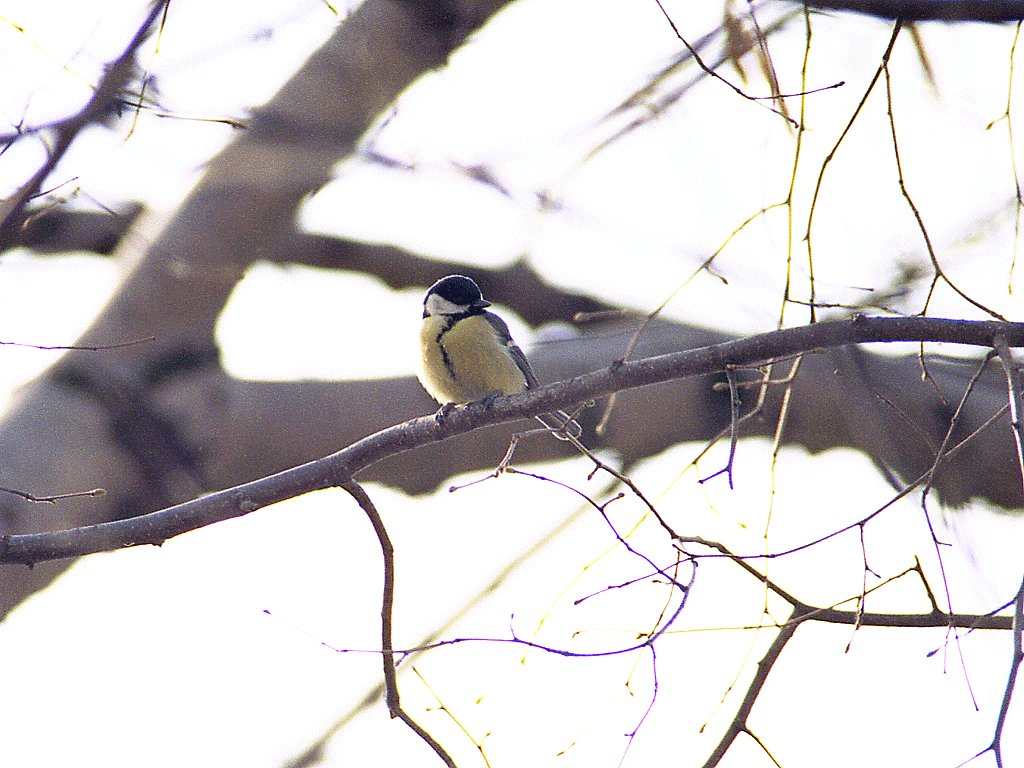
point(443, 411)
point(487, 401)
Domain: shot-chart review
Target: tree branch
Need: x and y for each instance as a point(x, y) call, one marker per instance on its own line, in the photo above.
point(929, 10)
point(156, 527)
point(118, 72)
point(58, 230)
point(517, 285)
point(764, 667)
point(387, 604)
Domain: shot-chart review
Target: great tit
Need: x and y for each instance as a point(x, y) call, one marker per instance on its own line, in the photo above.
point(467, 353)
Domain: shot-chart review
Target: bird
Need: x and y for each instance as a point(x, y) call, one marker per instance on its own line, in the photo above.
point(467, 353)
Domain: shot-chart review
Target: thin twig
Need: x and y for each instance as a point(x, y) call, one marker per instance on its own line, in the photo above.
point(762, 396)
point(1011, 678)
point(387, 603)
point(867, 518)
point(705, 265)
point(601, 509)
point(146, 77)
point(849, 124)
point(797, 150)
point(79, 347)
point(939, 272)
point(117, 74)
point(451, 716)
point(643, 99)
point(1018, 199)
point(53, 498)
point(1013, 387)
point(953, 423)
point(700, 63)
point(734, 411)
point(312, 754)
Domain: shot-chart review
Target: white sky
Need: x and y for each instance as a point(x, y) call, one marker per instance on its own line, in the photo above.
point(166, 657)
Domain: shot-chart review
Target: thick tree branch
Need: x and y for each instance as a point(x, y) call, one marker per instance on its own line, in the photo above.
point(59, 230)
point(929, 10)
point(156, 527)
point(517, 285)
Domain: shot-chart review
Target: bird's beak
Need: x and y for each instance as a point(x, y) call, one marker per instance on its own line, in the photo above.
point(480, 304)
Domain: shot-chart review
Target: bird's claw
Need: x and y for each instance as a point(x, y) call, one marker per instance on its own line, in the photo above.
point(443, 411)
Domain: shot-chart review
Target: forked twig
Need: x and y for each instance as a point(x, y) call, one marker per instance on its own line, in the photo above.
point(939, 272)
point(700, 63)
point(734, 412)
point(55, 497)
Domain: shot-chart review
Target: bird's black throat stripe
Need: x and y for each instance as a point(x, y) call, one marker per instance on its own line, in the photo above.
point(449, 323)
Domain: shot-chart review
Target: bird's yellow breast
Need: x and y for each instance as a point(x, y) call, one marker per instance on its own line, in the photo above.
point(467, 362)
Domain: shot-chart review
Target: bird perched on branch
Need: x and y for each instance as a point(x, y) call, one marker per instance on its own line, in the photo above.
point(467, 353)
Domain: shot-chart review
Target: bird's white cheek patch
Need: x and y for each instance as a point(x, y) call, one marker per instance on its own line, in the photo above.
point(437, 305)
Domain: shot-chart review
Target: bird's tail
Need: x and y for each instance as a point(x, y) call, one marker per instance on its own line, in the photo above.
point(562, 425)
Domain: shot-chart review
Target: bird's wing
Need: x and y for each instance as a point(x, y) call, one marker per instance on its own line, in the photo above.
point(513, 349)
point(561, 425)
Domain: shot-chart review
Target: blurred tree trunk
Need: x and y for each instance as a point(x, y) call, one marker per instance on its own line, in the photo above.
point(103, 420)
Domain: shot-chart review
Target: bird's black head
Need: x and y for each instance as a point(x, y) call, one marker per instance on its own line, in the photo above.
point(454, 295)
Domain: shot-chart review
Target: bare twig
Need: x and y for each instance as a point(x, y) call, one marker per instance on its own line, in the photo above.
point(117, 74)
point(849, 124)
point(734, 412)
point(1013, 386)
point(387, 603)
point(804, 612)
point(700, 63)
point(601, 509)
point(313, 753)
point(1014, 396)
point(797, 151)
point(872, 515)
point(705, 265)
point(77, 347)
point(651, 107)
point(1011, 678)
point(146, 78)
point(939, 272)
point(53, 498)
point(764, 667)
point(455, 720)
point(939, 455)
point(1018, 198)
point(780, 428)
point(762, 385)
